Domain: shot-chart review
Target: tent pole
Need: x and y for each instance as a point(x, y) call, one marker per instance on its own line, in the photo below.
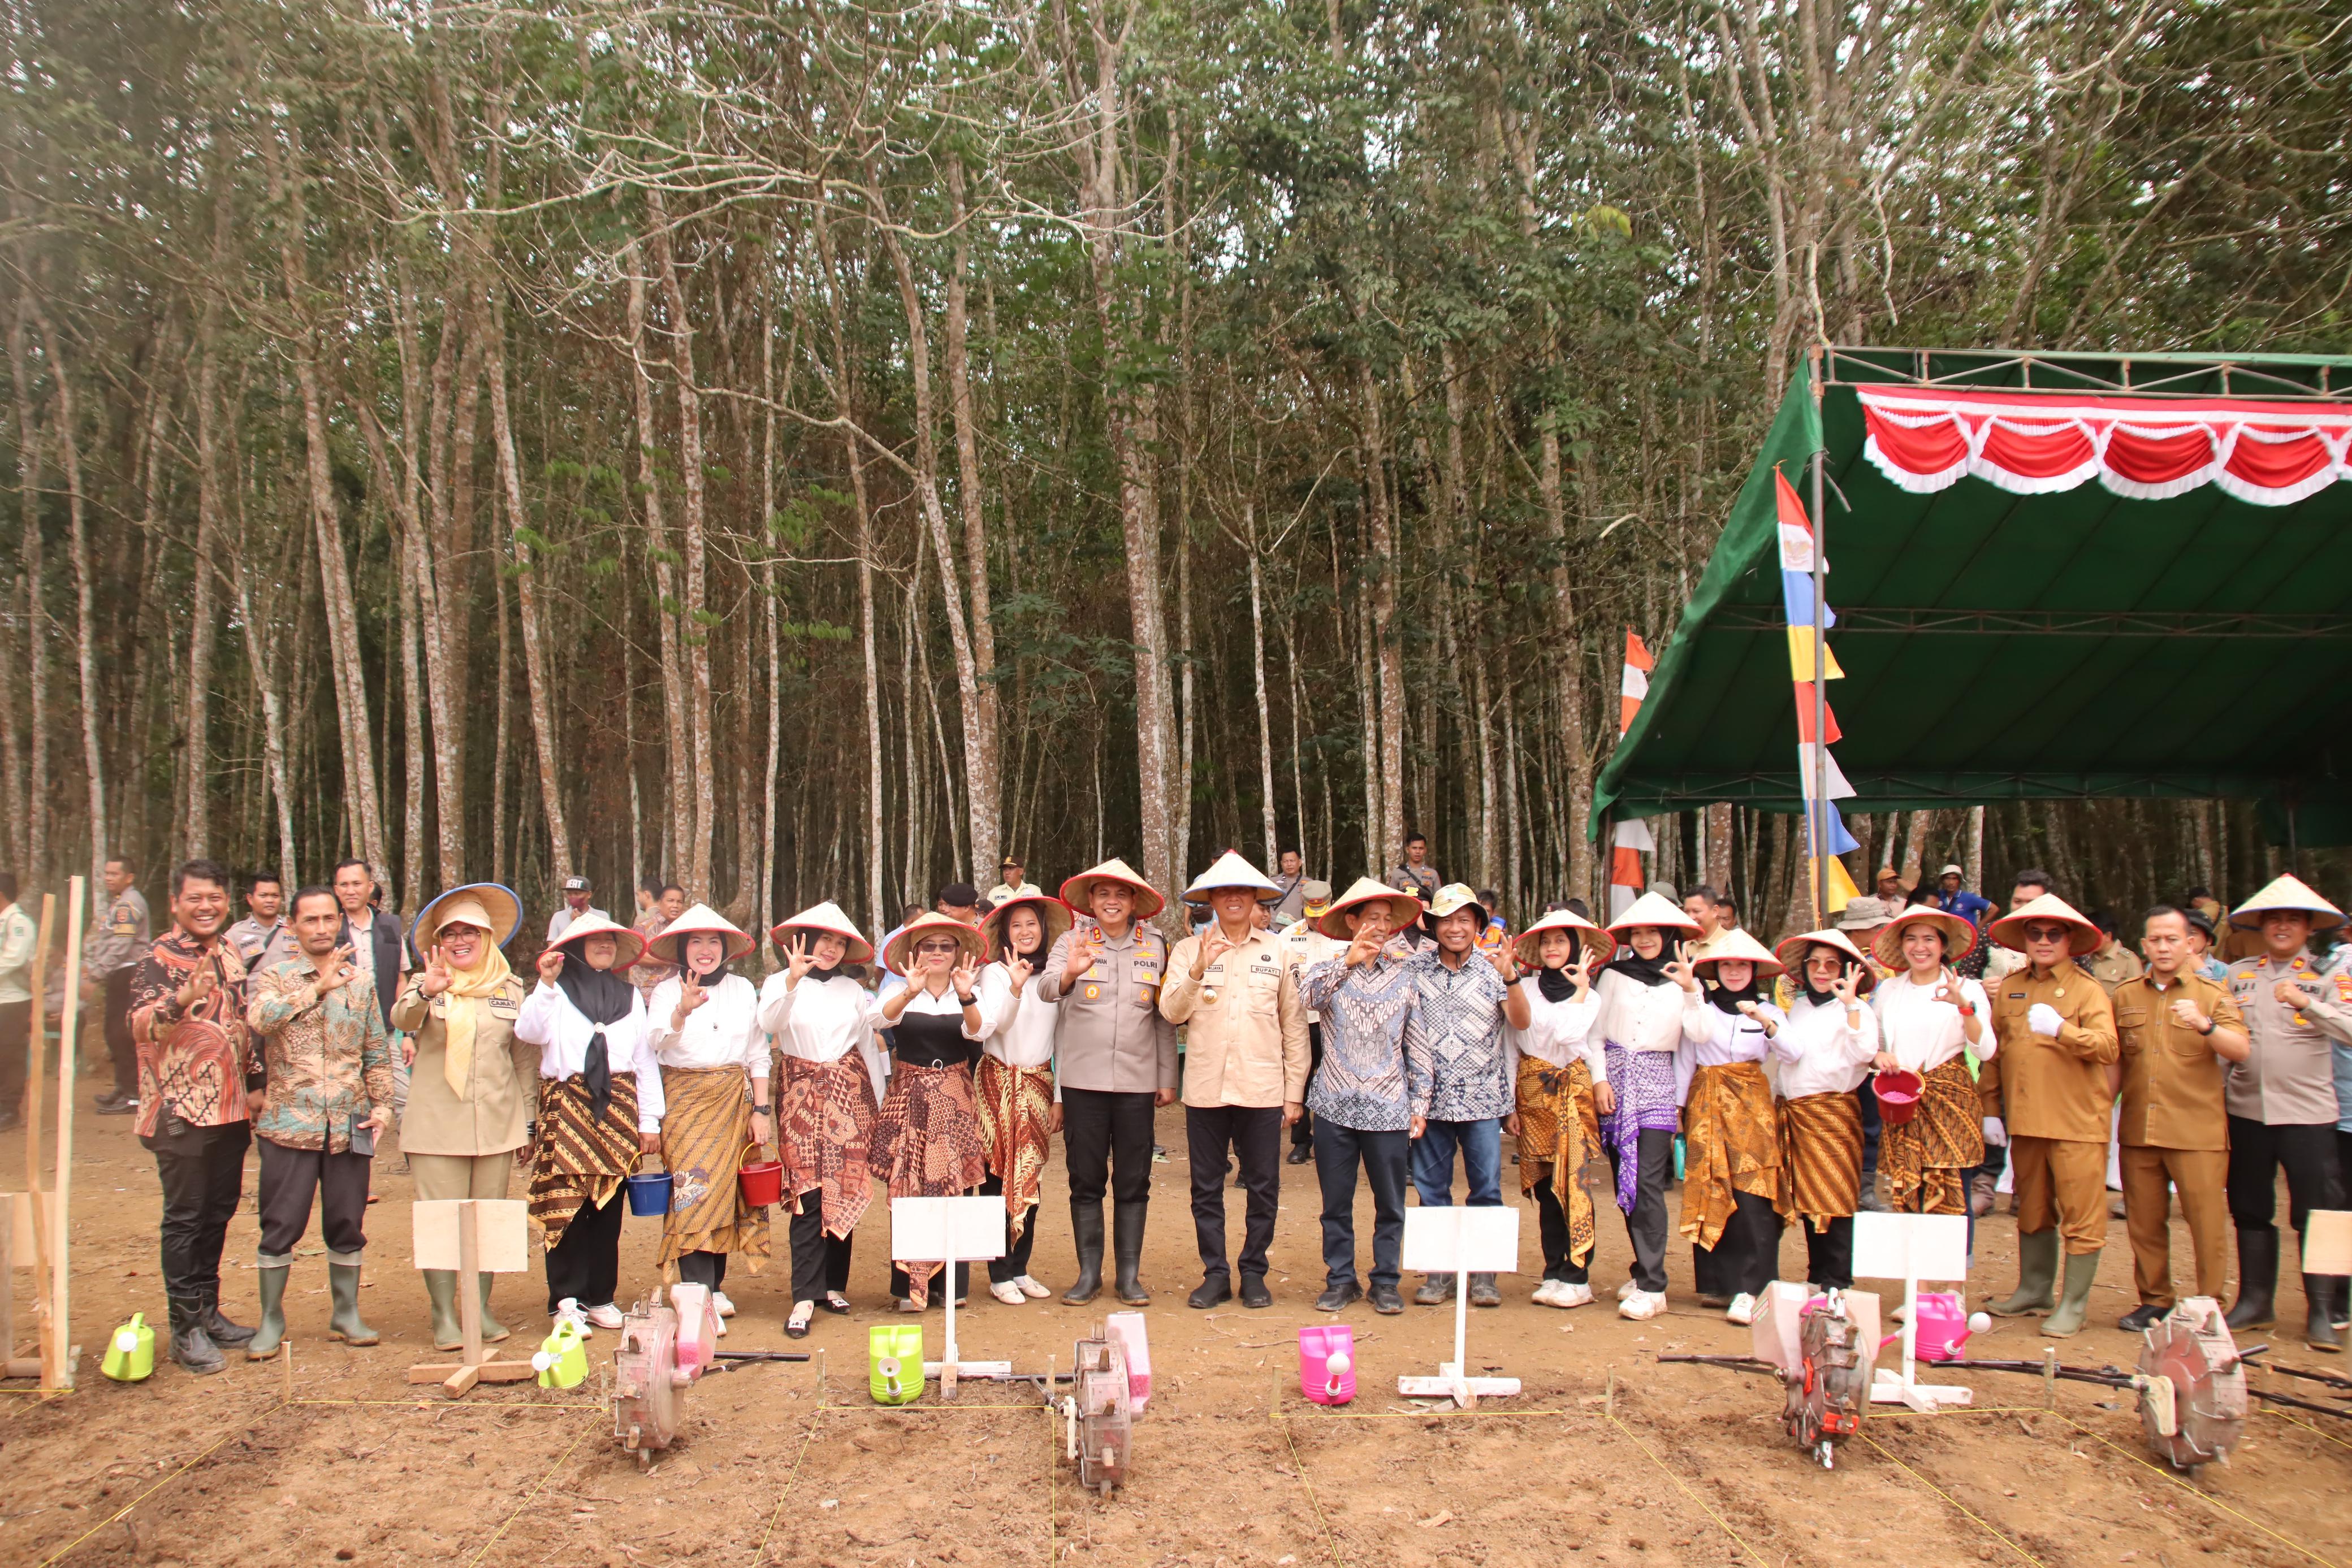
point(1817, 816)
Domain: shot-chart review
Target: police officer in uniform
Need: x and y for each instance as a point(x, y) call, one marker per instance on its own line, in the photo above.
point(2282, 1098)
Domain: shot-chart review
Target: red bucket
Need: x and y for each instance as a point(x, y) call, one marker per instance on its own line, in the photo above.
point(1898, 1096)
point(761, 1181)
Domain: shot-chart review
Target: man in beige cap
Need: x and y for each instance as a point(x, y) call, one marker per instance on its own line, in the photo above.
point(1235, 993)
point(1114, 1063)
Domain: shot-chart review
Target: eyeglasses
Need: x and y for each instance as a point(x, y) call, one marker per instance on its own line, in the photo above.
point(936, 946)
point(2045, 932)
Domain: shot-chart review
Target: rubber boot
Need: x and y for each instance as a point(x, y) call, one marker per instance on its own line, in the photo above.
point(343, 1285)
point(2037, 1271)
point(219, 1329)
point(2075, 1304)
point(2257, 1280)
point(441, 1290)
point(1126, 1245)
point(191, 1347)
point(2319, 1295)
point(265, 1341)
point(493, 1331)
point(1086, 1228)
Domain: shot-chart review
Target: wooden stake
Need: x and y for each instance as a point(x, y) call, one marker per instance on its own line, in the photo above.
point(57, 1350)
point(36, 1052)
point(457, 1381)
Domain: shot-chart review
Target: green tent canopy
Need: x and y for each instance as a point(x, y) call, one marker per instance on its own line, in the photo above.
point(2053, 576)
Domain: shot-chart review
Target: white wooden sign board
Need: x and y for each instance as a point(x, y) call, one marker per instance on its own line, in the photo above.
point(2327, 1242)
point(1911, 1248)
point(1460, 1242)
point(948, 1231)
point(501, 1234)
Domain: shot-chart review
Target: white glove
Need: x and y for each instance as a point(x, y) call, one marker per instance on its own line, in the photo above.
point(1995, 1135)
point(2044, 1019)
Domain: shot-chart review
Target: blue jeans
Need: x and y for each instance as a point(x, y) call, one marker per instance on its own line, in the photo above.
point(1481, 1144)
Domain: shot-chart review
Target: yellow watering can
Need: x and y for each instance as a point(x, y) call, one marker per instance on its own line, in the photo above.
point(894, 1360)
point(562, 1363)
point(131, 1352)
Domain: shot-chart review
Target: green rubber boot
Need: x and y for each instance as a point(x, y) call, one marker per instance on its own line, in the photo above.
point(343, 1285)
point(2037, 1271)
point(441, 1290)
point(2082, 1268)
point(493, 1331)
point(272, 1329)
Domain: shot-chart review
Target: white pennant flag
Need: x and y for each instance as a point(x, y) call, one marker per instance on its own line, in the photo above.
point(1807, 753)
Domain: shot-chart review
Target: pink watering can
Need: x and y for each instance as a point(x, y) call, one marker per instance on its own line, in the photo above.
point(1326, 1363)
point(1944, 1326)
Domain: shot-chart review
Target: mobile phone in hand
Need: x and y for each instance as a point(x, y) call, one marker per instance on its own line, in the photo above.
point(363, 1135)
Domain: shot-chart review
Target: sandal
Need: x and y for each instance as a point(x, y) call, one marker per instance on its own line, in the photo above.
point(797, 1325)
point(835, 1302)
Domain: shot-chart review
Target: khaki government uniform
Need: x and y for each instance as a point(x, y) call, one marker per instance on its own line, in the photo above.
point(2059, 1103)
point(2111, 966)
point(1245, 1027)
point(463, 1146)
point(2173, 1130)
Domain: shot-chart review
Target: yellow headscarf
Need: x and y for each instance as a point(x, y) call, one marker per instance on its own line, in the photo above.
point(466, 988)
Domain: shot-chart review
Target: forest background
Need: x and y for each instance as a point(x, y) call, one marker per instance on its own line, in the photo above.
point(806, 449)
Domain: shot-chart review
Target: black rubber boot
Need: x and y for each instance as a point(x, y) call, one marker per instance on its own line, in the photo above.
point(1127, 1246)
point(2319, 1329)
point(1086, 1228)
point(2257, 1280)
point(218, 1329)
point(191, 1347)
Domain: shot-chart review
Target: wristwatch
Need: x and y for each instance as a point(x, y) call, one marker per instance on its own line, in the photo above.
point(962, 1000)
point(762, 1110)
point(2210, 1025)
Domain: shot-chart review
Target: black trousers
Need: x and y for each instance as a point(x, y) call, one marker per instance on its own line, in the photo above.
point(1745, 1258)
point(121, 1049)
point(2258, 1149)
point(1867, 1097)
point(1829, 1254)
point(1384, 1157)
point(1302, 1131)
point(15, 1047)
point(289, 1178)
point(1016, 1262)
point(1551, 1224)
point(1645, 1228)
point(1106, 1138)
point(585, 1266)
point(1253, 1134)
point(820, 1262)
point(203, 1173)
point(706, 1269)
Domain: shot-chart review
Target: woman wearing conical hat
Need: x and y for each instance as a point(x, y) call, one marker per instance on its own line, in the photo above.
point(1559, 1076)
point(600, 1110)
point(715, 1078)
point(1018, 1116)
point(1931, 1022)
point(1835, 1036)
point(1641, 1027)
point(472, 1082)
point(1732, 1132)
point(2283, 1102)
point(927, 1138)
point(1115, 1064)
point(821, 1015)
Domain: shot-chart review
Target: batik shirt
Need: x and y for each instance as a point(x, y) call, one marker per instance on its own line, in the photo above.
point(329, 1057)
point(1363, 1084)
point(191, 1064)
point(1453, 1052)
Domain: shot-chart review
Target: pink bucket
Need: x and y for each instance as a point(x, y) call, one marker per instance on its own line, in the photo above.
point(1898, 1096)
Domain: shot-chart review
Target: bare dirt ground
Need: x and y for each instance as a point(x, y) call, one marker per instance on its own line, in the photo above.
point(344, 1462)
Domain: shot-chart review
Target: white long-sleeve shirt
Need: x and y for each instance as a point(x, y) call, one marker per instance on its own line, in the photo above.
point(1559, 1033)
point(824, 1019)
point(1831, 1059)
point(1922, 1033)
point(722, 1032)
point(1713, 1037)
point(1017, 1030)
point(1639, 1017)
point(563, 1031)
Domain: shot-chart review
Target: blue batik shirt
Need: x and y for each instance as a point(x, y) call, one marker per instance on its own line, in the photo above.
point(1363, 1084)
point(1453, 1052)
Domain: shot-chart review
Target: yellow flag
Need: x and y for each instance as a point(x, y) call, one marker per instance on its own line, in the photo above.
point(1800, 656)
point(1841, 888)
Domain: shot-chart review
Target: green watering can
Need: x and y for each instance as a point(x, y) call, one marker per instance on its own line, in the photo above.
point(131, 1352)
point(893, 1362)
point(561, 1362)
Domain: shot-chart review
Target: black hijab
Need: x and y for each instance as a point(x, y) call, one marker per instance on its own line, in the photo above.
point(1728, 999)
point(603, 997)
point(1805, 977)
point(1644, 971)
point(1554, 985)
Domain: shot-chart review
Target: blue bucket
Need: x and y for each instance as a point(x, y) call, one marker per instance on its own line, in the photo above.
point(649, 1195)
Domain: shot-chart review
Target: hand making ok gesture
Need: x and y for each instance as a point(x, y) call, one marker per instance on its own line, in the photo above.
point(965, 978)
point(1678, 968)
point(690, 996)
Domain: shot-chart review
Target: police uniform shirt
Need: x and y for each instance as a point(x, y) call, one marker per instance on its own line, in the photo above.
point(2290, 1078)
point(1111, 1037)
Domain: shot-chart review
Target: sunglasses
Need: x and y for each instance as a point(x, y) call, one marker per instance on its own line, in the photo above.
point(2046, 932)
point(941, 945)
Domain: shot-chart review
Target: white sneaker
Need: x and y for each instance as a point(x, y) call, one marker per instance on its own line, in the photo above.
point(1742, 1309)
point(1626, 1291)
point(1032, 1289)
point(1543, 1294)
point(607, 1316)
point(1642, 1305)
point(1568, 1295)
point(719, 1299)
point(1008, 1292)
point(567, 1310)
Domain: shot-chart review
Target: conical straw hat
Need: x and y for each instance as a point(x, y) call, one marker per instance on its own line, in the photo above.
point(2287, 892)
point(1078, 892)
point(827, 916)
point(2010, 929)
